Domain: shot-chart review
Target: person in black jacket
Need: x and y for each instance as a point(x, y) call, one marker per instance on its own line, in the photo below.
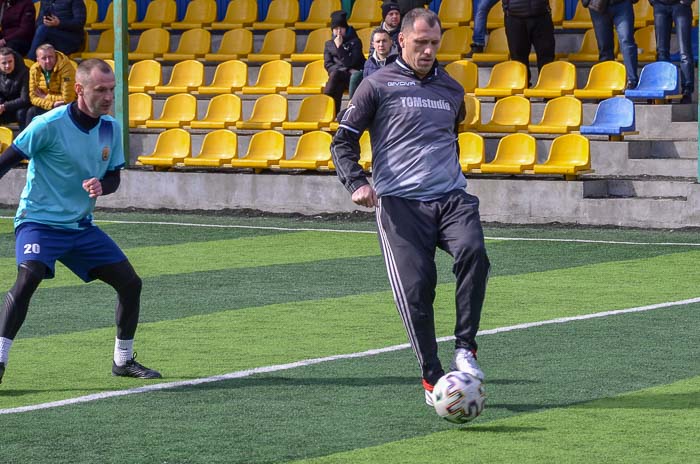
point(342, 57)
point(529, 23)
point(14, 87)
point(61, 23)
point(680, 13)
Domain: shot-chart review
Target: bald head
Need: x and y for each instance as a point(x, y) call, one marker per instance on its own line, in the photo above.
point(94, 85)
point(85, 69)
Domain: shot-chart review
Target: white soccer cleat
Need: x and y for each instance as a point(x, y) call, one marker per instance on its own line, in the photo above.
point(428, 398)
point(465, 361)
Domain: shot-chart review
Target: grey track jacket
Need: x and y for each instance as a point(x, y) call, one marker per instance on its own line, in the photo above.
point(412, 124)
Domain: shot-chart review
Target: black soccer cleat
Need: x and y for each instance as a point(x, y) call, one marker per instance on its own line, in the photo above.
point(2, 371)
point(134, 369)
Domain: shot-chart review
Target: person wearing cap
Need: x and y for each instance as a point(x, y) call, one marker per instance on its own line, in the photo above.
point(407, 5)
point(391, 14)
point(342, 57)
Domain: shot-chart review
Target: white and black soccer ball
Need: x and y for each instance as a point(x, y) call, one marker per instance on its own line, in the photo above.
point(458, 397)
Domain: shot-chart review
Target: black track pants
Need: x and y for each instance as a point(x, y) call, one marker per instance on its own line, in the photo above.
point(409, 233)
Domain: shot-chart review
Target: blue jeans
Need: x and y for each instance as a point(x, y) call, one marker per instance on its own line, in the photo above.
point(482, 11)
point(66, 42)
point(682, 15)
point(621, 16)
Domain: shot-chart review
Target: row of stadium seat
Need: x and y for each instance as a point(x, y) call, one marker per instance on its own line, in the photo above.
point(510, 114)
point(237, 44)
point(569, 155)
point(285, 13)
point(507, 78)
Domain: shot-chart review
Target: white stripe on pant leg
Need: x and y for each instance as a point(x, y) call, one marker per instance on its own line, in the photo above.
point(397, 287)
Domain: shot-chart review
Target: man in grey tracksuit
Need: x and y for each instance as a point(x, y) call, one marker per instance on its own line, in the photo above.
point(412, 109)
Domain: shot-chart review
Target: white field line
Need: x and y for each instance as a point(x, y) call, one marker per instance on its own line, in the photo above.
point(311, 362)
point(372, 232)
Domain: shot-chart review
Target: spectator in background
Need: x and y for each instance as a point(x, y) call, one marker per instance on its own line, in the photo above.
point(381, 55)
point(679, 12)
point(14, 88)
point(62, 24)
point(392, 25)
point(342, 57)
point(607, 14)
point(51, 81)
point(529, 23)
point(407, 5)
point(17, 24)
point(479, 35)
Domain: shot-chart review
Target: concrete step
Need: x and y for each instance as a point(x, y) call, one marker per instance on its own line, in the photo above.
point(650, 188)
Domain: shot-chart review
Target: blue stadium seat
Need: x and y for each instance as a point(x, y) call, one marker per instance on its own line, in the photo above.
point(658, 80)
point(614, 117)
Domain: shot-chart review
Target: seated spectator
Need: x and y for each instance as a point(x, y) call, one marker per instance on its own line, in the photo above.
point(680, 13)
point(407, 5)
point(381, 56)
point(62, 24)
point(391, 24)
point(342, 57)
point(14, 88)
point(51, 81)
point(17, 24)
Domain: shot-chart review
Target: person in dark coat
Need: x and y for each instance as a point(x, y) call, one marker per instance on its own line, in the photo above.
point(17, 25)
point(14, 87)
point(342, 56)
point(529, 23)
point(62, 24)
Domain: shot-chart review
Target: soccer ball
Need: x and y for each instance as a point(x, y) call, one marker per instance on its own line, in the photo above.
point(458, 397)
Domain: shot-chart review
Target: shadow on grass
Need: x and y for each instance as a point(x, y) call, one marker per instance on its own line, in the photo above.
point(500, 429)
point(689, 400)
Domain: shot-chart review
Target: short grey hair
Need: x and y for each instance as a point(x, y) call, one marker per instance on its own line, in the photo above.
point(410, 18)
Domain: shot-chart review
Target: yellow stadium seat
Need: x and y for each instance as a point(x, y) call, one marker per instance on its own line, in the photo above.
point(471, 151)
point(269, 111)
point(515, 154)
point(266, 148)
point(37, 9)
point(313, 49)
point(235, 44)
point(223, 111)
point(466, 73)
point(496, 49)
point(455, 44)
point(589, 48)
point(557, 7)
point(280, 13)
point(108, 21)
point(555, 79)
point(495, 18)
point(365, 13)
point(199, 14)
point(455, 13)
point(28, 62)
point(6, 138)
point(229, 76)
point(472, 118)
point(91, 10)
point(580, 20)
point(110, 63)
point(643, 14)
point(140, 109)
point(319, 15)
point(274, 77)
point(365, 36)
point(694, 7)
point(561, 115)
point(193, 44)
point(172, 147)
point(277, 44)
point(568, 155)
point(159, 13)
point(239, 14)
point(315, 112)
point(510, 114)
point(507, 78)
point(151, 45)
point(312, 152)
point(313, 80)
point(365, 160)
point(605, 80)
point(178, 110)
point(646, 44)
point(186, 76)
point(144, 76)
point(219, 147)
point(104, 49)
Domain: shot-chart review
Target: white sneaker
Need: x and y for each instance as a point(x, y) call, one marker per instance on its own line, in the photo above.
point(465, 361)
